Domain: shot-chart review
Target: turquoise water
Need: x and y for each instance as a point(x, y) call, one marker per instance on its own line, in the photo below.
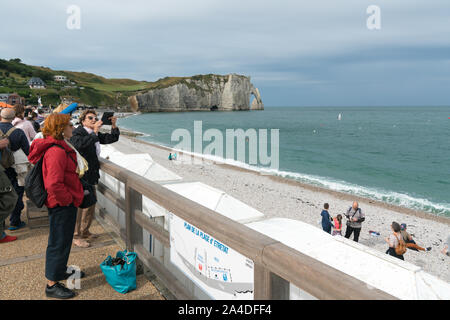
point(399, 155)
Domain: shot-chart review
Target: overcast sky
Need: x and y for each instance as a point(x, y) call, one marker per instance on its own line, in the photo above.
point(298, 53)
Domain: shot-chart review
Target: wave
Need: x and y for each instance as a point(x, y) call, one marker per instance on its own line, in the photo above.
point(142, 134)
point(387, 196)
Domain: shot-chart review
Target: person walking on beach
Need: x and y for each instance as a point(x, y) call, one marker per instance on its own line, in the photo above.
point(87, 139)
point(355, 218)
point(410, 243)
point(337, 230)
point(17, 140)
point(64, 194)
point(445, 250)
point(395, 242)
point(326, 219)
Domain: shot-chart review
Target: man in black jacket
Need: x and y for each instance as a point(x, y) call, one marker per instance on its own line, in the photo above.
point(87, 139)
point(17, 140)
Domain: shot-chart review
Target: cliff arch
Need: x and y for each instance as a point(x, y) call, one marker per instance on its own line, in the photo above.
point(257, 103)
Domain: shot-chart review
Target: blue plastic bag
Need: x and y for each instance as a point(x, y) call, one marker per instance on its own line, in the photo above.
point(121, 277)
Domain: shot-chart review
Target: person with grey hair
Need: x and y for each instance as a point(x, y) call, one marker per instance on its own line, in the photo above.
point(17, 140)
point(355, 218)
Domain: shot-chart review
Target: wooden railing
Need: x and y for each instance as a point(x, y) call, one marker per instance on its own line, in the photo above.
point(276, 265)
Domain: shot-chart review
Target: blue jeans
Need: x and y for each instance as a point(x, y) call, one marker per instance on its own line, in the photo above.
point(327, 228)
point(62, 225)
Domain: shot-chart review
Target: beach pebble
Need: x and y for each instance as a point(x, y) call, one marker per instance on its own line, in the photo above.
point(274, 198)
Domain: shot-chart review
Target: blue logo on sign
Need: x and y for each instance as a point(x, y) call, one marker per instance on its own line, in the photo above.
point(224, 277)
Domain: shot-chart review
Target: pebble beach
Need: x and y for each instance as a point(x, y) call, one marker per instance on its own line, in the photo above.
point(284, 198)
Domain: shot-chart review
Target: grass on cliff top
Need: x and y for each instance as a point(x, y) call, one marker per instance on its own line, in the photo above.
point(97, 90)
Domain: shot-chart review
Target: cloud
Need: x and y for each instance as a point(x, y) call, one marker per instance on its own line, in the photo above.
point(293, 44)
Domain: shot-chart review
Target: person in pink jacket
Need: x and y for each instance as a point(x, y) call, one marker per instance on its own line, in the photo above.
point(21, 123)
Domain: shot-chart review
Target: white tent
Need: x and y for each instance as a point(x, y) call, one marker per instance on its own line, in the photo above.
point(216, 200)
point(209, 197)
point(139, 163)
point(398, 278)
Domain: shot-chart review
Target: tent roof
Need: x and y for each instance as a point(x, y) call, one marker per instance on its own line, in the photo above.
point(139, 163)
point(216, 200)
point(5, 105)
point(396, 277)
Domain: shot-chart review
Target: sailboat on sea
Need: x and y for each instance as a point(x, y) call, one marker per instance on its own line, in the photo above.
point(339, 116)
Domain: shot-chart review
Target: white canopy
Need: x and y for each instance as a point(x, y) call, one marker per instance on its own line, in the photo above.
point(216, 200)
point(396, 277)
point(209, 197)
point(139, 163)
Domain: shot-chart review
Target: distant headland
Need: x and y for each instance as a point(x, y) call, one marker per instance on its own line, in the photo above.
point(26, 83)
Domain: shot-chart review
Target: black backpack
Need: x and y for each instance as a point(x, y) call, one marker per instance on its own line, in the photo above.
point(34, 182)
point(7, 156)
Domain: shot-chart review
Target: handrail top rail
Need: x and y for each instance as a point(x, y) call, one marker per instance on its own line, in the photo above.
point(322, 281)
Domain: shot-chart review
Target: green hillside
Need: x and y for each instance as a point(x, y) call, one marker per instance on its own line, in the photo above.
point(85, 88)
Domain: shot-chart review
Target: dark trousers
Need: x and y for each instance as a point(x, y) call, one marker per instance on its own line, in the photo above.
point(391, 252)
point(350, 230)
point(14, 219)
point(62, 225)
point(327, 229)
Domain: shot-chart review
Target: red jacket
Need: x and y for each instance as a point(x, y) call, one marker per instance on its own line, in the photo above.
point(61, 181)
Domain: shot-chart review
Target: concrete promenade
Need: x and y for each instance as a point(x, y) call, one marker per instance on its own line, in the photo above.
point(22, 265)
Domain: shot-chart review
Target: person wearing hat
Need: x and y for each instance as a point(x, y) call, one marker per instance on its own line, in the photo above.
point(410, 243)
point(17, 140)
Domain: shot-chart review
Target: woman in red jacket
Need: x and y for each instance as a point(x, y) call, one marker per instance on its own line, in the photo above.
point(64, 195)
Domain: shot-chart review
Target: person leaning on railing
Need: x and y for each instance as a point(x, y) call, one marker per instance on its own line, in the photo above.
point(64, 194)
point(87, 139)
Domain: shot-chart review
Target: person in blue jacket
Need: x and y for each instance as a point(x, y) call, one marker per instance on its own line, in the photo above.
point(326, 219)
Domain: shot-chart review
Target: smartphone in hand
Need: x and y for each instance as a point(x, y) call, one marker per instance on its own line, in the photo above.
point(106, 118)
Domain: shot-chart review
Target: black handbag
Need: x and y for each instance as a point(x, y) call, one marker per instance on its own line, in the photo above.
point(90, 197)
point(8, 196)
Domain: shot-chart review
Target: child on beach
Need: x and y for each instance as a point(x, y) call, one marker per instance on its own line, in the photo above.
point(337, 230)
point(172, 156)
point(326, 219)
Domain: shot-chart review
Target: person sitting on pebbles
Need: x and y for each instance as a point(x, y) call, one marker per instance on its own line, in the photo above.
point(410, 243)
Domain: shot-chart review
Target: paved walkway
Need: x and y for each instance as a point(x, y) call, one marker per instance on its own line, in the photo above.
point(22, 265)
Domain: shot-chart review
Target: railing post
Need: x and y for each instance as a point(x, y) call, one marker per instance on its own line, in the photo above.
point(280, 287)
point(133, 201)
point(262, 284)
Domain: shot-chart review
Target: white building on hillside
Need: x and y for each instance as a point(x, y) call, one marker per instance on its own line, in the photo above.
point(60, 78)
point(36, 83)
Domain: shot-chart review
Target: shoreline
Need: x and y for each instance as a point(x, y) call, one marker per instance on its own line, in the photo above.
point(281, 197)
point(337, 194)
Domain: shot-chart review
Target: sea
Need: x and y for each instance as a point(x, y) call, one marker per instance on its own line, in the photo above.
point(398, 155)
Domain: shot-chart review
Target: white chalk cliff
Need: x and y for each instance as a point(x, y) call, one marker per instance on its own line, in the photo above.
point(200, 93)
